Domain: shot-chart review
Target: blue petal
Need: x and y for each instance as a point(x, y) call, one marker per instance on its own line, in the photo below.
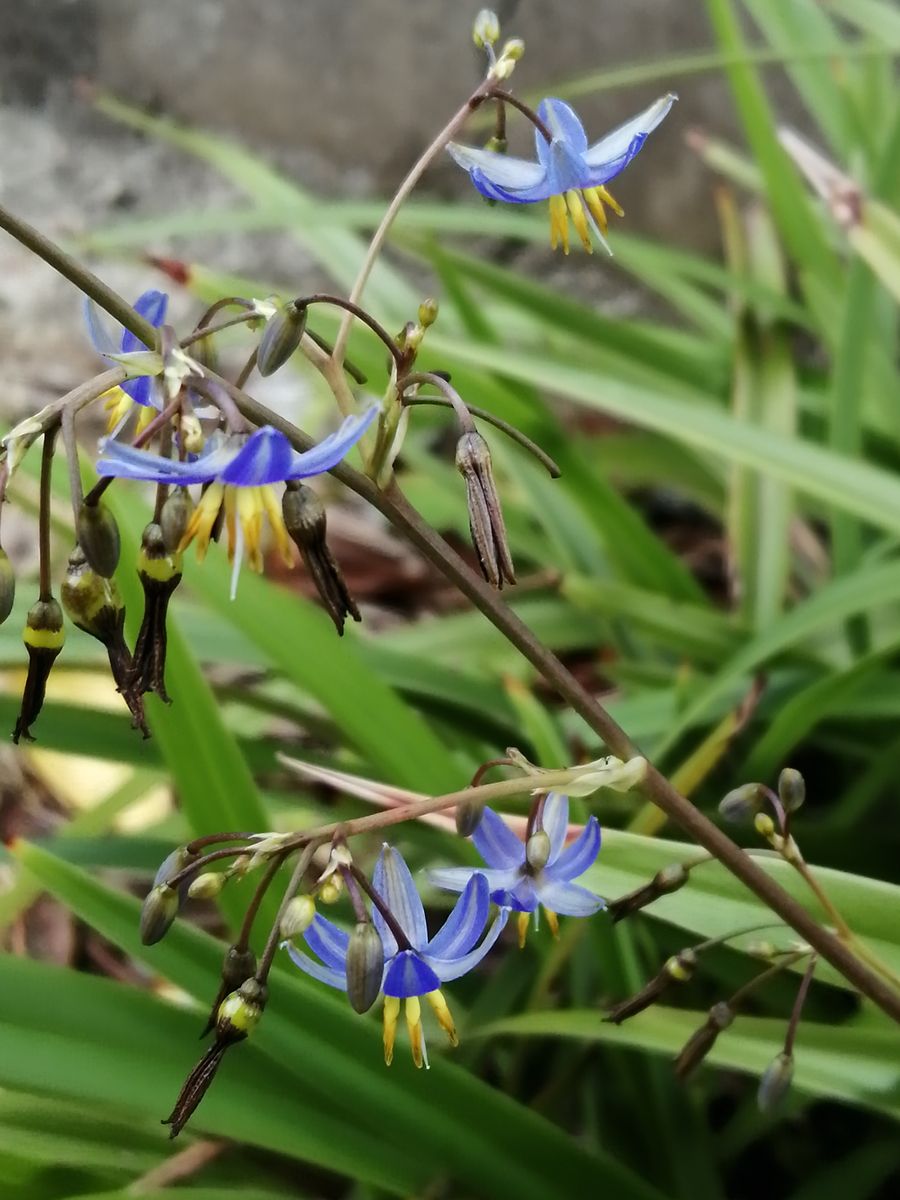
point(564, 125)
point(521, 896)
point(394, 884)
point(500, 170)
point(447, 969)
point(328, 942)
point(335, 979)
point(569, 899)
point(101, 339)
point(140, 390)
point(455, 879)
point(496, 842)
point(618, 148)
point(464, 926)
point(124, 462)
point(576, 859)
point(329, 452)
point(542, 190)
point(555, 820)
point(266, 457)
point(152, 307)
point(409, 975)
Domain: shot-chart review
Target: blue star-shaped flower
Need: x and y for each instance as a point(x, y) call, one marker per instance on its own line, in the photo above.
point(568, 172)
point(423, 964)
point(240, 471)
point(152, 307)
point(515, 884)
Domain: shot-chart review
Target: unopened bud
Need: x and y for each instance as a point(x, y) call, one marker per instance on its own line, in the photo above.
point(331, 890)
point(98, 536)
point(537, 850)
point(742, 802)
point(468, 817)
point(237, 966)
point(174, 518)
point(159, 910)
point(7, 586)
point(671, 878)
point(506, 63)
point(513, 48)
point(298, 916)
point(92, 600)
point(281, 338)
point(240, 1011)
point(365, 966)
point(428, 313)
point(485, 28)
point(191, 433)
point(497, 145)
point(775, 1082)
point(761, 949)
point(764, 825)
point(173, 864)
point(791, 789)
point(206, 886)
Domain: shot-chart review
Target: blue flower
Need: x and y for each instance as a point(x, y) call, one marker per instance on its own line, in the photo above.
point(152, 307)
point(417, 968)
point(239, 473)
point(515, 884)
point(568, 172)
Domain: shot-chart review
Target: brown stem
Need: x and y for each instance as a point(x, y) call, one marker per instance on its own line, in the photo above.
point(360, 313)
point(524, 109)
point(46, 587)
point(390, 920)
point(303, 861)
point(797, 1010)
point(262, 887)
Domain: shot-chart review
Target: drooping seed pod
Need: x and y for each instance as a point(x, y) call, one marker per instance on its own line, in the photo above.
point(240, 1011)
point(98, 536)
point(160, 908)
point(159, 571)
point(281, 337)
point(700, 1043)
point(238, 965)
point(365, 966)
point(43, 636)
point(306, 522)
point(468, 817)
point(678, 969)
point(7, 586)
point(667, 880)
point(775, 1082)
point(486, 524)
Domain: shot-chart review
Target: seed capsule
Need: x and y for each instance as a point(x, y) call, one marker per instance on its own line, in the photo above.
point(306, 523)
point(468, 817)
point(7, 586)
point(98, 536)
point(174, 518)
point(281, 338)
point(775, 1082)
point(702, 1041)
point(240, 1011)
point(160, 574)
point(365, 966)
point(486, 524)
point(159, 910)
point(43, 637)
point(791, 789)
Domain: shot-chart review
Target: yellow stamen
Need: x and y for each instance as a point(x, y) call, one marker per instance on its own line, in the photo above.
point(250, 514)
point(595, 204)
point(147, 415)
point(391, 1013)
point(559, 224)
point(613, 203)
point(522, 923)
point(579, 220)
point(272, 506)
point(202, 520)
point(230, 503)
point(552, 921)
point(443, 1014)
point(118, 404)
point(414, 1025)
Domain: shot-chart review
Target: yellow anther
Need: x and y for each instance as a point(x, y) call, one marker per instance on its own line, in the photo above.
point(579, 220)
point(552, 922)
point(609, 199)
point(391, 1014)
point(442, 1012)
point(414, 1025)
point(522, 924)
point(272, 506)
point(250, 515)
point(118, 404)
point(595, 204)
point(202, 520)
point(146, 416)
point(559, 223)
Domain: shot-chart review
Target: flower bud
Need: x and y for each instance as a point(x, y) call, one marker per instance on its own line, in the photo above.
point(330, 891)
point(513, 48)
point(7, 586)
point(237, 967)
point(671, 878)
point(173, 520)
point(191, 433)
point(486, 525)
point(742, 802)
point(98, 536)
point(240, 1011)
point(791, 789)
point(764, 825)
point(485, 28)
point(365, 966)
point(306, 523)
point(92, 601)
point(428, 313)
point(281, 337)
point(678, 969)
point(537, 850)
point(43, 637)
point(468, 817)
point(159, 910)
point(206, 886)
point(173, 864)
point(497, 145)
point(775, 1082)
point(298, 916)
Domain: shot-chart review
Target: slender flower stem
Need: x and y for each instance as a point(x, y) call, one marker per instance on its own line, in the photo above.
point(160, 421)
point(300, 866)
point(46, 587)
point(205, 331)
point(418, 169)
point(354, 310)
point(403, 942)
point(797, 1010)
point(210, 839)
point(735, 1000)
point(525, 109)
point(71, 446)
point(243, 938)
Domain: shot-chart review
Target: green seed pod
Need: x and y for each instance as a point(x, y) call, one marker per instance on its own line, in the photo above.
point(537, 850)
point(281, 338)
point(237, 967)
point(468, 817)
point(7, 586)
point(702, 1041)
point(741, 803)
point(206, 886)
point(98, 536)
point(365, 966)
point(43, 636)
point(298, 916)
point(173, 520)
point(306, 523)
point(791, 789)
point(775, 1082)
point(92, 600)
point(240, 1011)
point(159, 910)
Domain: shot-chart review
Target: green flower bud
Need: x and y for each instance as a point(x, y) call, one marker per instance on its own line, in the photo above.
point(537, 850)
point(206, 886)
point(173, 864)
point(159, 910)
point(485, 28)
point(298, 916)
point(764, 825)
point(468, 817)
point(742, 802)
point(365, 966)
point(174, 518)
point(428, 313)
point(98, 536)
point(7, 586)
point(791, 789)
point(240, 1011)
point(281, 337)
point(330, 891)
point(775, 1082)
